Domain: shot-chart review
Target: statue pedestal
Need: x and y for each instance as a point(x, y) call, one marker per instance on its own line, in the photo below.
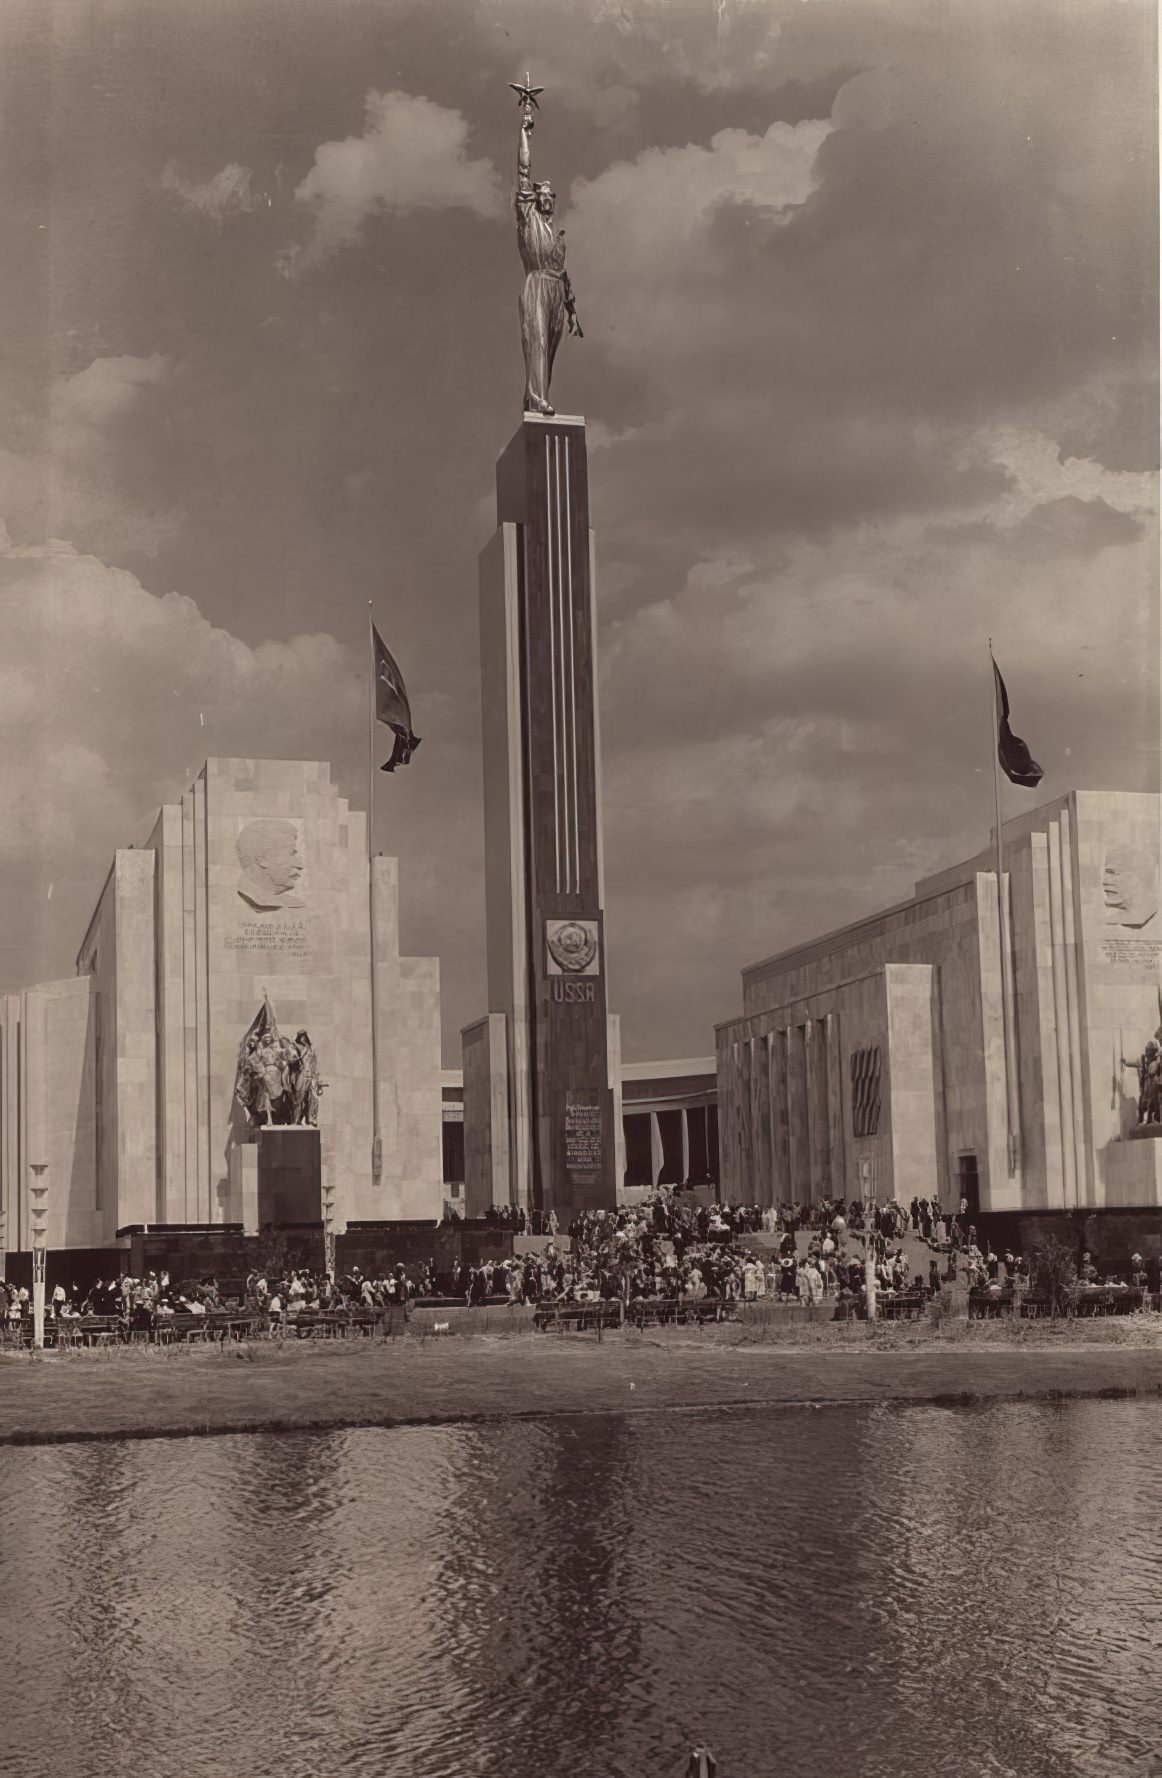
point(487, 1115)
point(1133, 1170)
point(244, 1186)
point(288, 1175)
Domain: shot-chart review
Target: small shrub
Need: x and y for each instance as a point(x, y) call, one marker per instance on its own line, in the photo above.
point(1053, 1269)
point(942, 1309)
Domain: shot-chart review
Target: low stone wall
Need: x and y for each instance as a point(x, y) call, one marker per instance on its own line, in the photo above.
point(68, 1266)
point(493, 1318)
point(192, 1251)
point(535, 1245)
point(1111, 1236)
point(375, 1247)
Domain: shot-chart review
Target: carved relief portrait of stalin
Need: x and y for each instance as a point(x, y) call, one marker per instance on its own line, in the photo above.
point(271, 857)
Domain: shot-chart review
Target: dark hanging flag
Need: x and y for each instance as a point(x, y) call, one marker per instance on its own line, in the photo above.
point(264, 1023)
point(1017, 762)
point(391, 703)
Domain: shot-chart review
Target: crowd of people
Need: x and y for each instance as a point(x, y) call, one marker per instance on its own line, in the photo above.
point(666, 1248)
point(520, 1221)
point(135, 1301)
point(136, 1304)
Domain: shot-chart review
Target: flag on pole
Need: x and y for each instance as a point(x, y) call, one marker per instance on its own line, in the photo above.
point(391, 703)
point(1017, 762)
point(264, 1023)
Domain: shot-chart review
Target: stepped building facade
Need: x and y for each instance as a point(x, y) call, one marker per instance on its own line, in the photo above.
point(123, 1083)
point(873, 1061)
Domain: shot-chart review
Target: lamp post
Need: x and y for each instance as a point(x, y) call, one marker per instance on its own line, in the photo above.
point(869, 1251)
point(38, 1218)
point(329, 1228)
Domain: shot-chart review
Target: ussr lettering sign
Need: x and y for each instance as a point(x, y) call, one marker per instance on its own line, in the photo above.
point(567, 993)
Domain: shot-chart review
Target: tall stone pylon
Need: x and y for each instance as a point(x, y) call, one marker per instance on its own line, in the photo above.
point(541, 1101)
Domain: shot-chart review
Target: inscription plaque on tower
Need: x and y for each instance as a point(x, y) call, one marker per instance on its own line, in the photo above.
point(584, 1136)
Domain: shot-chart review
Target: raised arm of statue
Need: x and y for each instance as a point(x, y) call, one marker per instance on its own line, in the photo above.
point(524, 159)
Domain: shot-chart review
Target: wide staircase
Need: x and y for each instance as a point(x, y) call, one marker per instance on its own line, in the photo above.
point(916, 1251)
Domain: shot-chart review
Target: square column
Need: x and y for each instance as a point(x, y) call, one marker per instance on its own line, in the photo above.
point(546, 940)
point(487, 1161)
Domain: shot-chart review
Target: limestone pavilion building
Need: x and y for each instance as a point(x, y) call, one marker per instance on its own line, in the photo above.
point(119, 1080)
point(873, 1060)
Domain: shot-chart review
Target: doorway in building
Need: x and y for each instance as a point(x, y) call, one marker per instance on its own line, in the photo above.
point(968, 1184)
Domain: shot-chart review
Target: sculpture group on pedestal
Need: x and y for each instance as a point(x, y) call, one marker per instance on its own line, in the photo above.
point(1149, 1071)
point(277, 1081)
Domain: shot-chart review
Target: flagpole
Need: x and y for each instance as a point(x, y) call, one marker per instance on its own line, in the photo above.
point(1012, 1125)
point(376, 1136)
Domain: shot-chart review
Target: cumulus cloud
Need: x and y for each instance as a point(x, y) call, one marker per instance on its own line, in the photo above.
point(831, 743)
point(93, 662)
point(229, 193)
point(412, 155)
point(880, 397)
point(714, 44)
point(106, 390)
point(67, 482)
point(947, 247)
point(870, 386)
point(110, 699)
point(1041, 472)
point(642, 220)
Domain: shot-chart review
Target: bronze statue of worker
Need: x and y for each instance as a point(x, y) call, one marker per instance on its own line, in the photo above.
point(547, 298)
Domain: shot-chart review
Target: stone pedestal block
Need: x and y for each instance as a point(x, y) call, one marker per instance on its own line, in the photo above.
point(487, 1147)
point(289, 1176)
point(244, 1186)
point(1133, 1173)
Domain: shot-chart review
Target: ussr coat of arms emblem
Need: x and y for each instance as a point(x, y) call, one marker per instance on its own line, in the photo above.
point(572, 946)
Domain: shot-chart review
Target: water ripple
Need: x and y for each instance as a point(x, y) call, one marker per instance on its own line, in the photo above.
point(902, 1594)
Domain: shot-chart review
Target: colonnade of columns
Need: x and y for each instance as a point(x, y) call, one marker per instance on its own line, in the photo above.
point(678, 1146)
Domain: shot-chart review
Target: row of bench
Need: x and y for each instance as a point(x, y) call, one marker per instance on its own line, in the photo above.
point(641, 1312)
point(985, 1305)
point(214, 1326)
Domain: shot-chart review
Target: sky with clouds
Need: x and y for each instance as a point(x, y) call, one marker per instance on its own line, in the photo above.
point(869, 291)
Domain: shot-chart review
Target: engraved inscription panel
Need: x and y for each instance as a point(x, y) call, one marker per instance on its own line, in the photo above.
point(1141, 953)
point(584, 1132)
point(283, 938)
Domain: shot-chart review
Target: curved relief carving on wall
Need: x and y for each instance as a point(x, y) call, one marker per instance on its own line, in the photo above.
point(1129, 887)
point(270, 852)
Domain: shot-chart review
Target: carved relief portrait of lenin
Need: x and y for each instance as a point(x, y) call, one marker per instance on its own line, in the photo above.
point(271, 857)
